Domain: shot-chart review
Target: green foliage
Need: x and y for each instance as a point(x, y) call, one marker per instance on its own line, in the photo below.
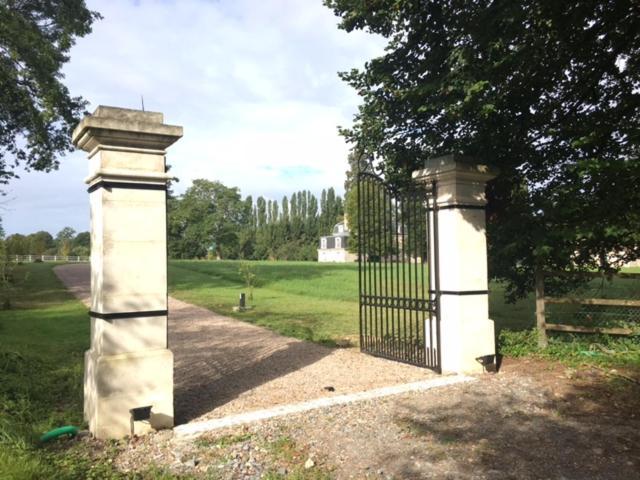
point(546, 91)
point(210, 214)
point(37, 113)
point(248, 275)
point(573, 349)
point(66, 242)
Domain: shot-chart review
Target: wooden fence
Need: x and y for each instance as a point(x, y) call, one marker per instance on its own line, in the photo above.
point(541, 317)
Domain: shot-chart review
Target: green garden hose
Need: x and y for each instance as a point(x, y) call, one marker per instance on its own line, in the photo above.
point(58, 432)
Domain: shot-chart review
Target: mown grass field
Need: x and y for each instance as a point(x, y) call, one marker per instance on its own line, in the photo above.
point(312, 301)
point(318, 302)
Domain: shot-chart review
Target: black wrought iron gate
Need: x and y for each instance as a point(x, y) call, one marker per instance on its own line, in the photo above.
point(398, 271)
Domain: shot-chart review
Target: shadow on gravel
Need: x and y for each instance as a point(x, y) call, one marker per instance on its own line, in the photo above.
point(521, 434)
point(210, 372)
point(215, 360)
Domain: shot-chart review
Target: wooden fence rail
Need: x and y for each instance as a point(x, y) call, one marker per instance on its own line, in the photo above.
point(541, 320)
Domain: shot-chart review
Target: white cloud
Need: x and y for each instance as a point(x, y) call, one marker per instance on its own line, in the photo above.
point(253, 83)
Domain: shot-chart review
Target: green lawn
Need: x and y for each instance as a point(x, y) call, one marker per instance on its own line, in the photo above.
point(44, 334)
point(318, 302)
point(42, 341)
point(307, 300)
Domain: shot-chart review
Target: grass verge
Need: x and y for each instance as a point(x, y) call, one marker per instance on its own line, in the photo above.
point(44, 336)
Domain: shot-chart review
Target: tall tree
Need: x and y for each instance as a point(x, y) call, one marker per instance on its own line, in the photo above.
point(64, 240)
point(81, 244)
point(208, 215)
point(40, 243)
point(285, 209)
point(303, 205)
point(37, 112)
point(323, 203)
point(357, 163)
point(261, 212)
point(17, 244)
point(274, 212)
point(294, 207)
point(547, 91)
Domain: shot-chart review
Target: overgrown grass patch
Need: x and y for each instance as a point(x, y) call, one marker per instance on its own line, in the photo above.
point(574, 349)
point(43, 339)
point(44, 335)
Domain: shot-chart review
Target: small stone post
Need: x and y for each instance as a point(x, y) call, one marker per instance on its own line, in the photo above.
point(128, 376)
point(467, 340)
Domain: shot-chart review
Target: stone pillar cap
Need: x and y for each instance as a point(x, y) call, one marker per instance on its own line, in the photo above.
point(124, 127)
point(455, 166)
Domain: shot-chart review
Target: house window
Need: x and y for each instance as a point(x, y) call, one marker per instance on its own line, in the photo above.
point(323, 243)
point(338, 242)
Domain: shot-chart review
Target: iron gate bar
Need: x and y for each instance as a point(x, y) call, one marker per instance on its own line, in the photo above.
point(398, 311)
point(436, 266)
point(432, 273)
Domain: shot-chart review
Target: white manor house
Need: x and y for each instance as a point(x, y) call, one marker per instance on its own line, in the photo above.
point(333, 248)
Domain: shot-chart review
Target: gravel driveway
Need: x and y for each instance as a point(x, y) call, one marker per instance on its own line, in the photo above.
point(224, 366)
point(534, 420)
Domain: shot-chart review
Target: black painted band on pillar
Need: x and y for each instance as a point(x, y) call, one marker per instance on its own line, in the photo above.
point(121, 315)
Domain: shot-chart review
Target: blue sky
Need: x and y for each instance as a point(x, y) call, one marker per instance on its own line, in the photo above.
point(254, 84)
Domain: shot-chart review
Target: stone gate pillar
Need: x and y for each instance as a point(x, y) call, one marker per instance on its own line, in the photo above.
point(467, 338)
point(128, 377)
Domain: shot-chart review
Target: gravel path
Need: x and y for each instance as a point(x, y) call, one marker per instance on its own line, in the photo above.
point(224, 366)
point(533, 420)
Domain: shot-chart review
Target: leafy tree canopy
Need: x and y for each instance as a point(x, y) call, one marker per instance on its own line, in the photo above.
point(37, 112)
point(548, 91)
point(208, 215)
point(67, 233)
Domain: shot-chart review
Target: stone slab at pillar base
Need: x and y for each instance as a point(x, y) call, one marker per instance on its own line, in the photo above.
point(114, 385)
point(467, 336)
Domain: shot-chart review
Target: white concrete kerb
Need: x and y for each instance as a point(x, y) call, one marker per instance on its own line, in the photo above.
point(196, 429)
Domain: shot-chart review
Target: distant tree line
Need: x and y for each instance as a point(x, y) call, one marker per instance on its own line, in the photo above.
point(66, 242)
point(211, 220)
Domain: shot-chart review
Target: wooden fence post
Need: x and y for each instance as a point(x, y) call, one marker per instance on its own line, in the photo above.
point(540, 316)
